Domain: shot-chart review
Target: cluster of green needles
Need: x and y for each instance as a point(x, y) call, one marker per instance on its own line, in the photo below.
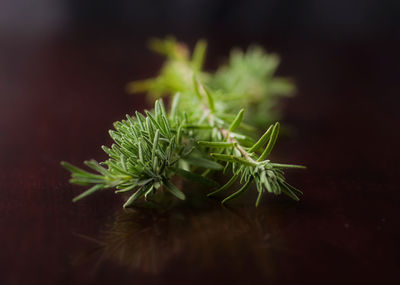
point(205, 131)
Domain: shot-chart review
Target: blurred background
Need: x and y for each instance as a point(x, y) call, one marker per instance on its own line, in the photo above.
point(339, 21)
point(64, 66)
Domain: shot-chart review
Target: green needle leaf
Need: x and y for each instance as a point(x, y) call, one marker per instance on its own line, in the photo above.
point(198, 55)
point(76, 170)
point(268, 185)
point(259, 198)
point(236, 122)
point(139, 193)
point(127, 189)
point(140, 150)
point(210, 99)
point(193, 126)
point(148, 192)
point(226, 186)
point(175, 105)
point(96, 166)
point(288, 191)
point(280, 165)
point(262, 140)
point(88, 192)
point(174, 190)
point(294, 190)
point(196, 88)
point(155, 144)
point(271, 143)
point(237, 193)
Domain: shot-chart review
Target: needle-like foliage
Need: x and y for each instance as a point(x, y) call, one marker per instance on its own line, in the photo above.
point(197, 136)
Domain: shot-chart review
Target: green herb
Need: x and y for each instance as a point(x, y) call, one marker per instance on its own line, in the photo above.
point(204, 131)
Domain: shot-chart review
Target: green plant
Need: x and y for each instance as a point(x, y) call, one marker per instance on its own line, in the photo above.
point(202, 132)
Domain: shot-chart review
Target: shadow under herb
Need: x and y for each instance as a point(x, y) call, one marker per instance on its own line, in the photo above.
point(201, 238)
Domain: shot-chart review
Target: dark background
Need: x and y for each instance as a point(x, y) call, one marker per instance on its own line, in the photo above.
point(63, 69)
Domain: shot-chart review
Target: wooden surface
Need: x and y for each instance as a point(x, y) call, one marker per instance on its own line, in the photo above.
point(59, 97)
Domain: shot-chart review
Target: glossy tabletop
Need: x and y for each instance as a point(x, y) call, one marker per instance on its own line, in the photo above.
point(59, 97)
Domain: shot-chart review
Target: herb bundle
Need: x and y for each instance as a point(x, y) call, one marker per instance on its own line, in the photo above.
point(204, 131)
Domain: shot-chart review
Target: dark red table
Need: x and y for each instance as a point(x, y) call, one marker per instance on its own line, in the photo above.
point(59, 97)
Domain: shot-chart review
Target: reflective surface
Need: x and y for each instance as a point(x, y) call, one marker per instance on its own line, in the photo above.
point(59, 98)
point(199, 238)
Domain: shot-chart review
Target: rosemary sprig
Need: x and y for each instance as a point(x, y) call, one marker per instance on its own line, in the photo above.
point(197, 135)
